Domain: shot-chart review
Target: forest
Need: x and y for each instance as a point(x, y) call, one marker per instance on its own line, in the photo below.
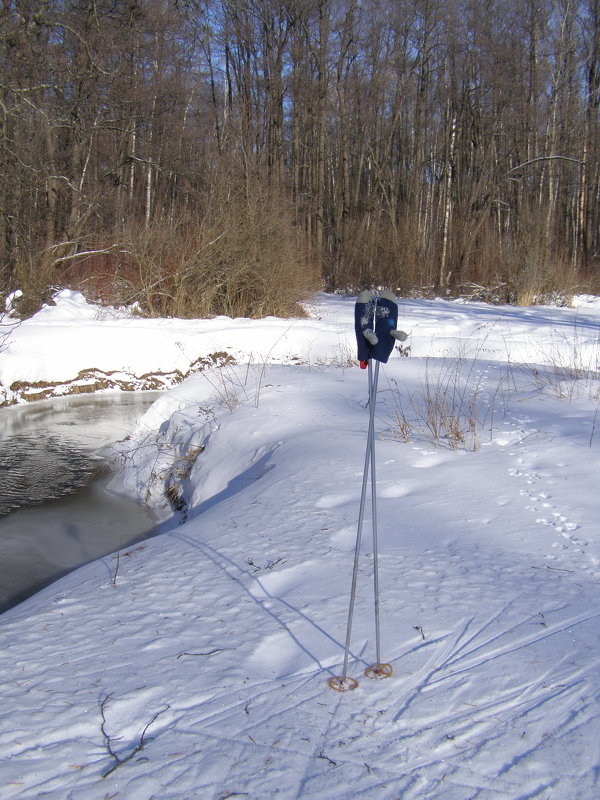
point(202, 157)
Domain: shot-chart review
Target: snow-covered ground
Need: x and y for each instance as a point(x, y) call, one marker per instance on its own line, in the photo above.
point(196, 664)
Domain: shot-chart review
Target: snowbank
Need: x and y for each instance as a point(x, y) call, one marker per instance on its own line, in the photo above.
point(74, 343)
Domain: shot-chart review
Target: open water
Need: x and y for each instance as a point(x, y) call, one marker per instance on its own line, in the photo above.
point(55, 511)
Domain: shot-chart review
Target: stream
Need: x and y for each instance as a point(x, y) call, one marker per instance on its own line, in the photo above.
point(55, 511)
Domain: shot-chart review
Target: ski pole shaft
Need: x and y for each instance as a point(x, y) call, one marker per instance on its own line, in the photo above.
point(361, 512)
point(374, 513)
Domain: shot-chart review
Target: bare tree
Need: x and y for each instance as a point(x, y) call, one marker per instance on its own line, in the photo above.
point(419, 143)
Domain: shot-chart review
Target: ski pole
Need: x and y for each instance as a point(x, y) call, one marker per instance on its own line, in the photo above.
point(343, 682)
point(375, 335)
point(373, 384)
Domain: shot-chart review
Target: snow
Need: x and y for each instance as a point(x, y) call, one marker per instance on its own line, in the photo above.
point(196, 664)
point(61, 341)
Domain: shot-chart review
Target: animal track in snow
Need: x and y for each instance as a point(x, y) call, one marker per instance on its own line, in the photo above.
point(539, 502)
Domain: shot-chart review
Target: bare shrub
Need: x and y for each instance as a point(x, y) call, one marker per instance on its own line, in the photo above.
point(535, 273)
point(243, 258)
point(453, 404)
point(33, 276)
point(383, 252)
point(445, 409)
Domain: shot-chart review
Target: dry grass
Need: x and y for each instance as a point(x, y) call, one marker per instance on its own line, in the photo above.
point(453, 405)
point(447, 408)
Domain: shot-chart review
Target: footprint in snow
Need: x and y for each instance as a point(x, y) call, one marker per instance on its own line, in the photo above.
point(540, 503)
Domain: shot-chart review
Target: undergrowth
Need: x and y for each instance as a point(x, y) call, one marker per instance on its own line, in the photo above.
point(455, 405)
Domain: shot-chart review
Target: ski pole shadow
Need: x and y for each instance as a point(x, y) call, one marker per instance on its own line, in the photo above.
point(246, 579)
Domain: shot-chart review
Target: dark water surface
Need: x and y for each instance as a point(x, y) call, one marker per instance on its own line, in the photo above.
point(55, 512)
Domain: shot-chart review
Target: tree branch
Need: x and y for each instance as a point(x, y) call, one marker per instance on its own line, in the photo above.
point(541, 158)
point(108, 739)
